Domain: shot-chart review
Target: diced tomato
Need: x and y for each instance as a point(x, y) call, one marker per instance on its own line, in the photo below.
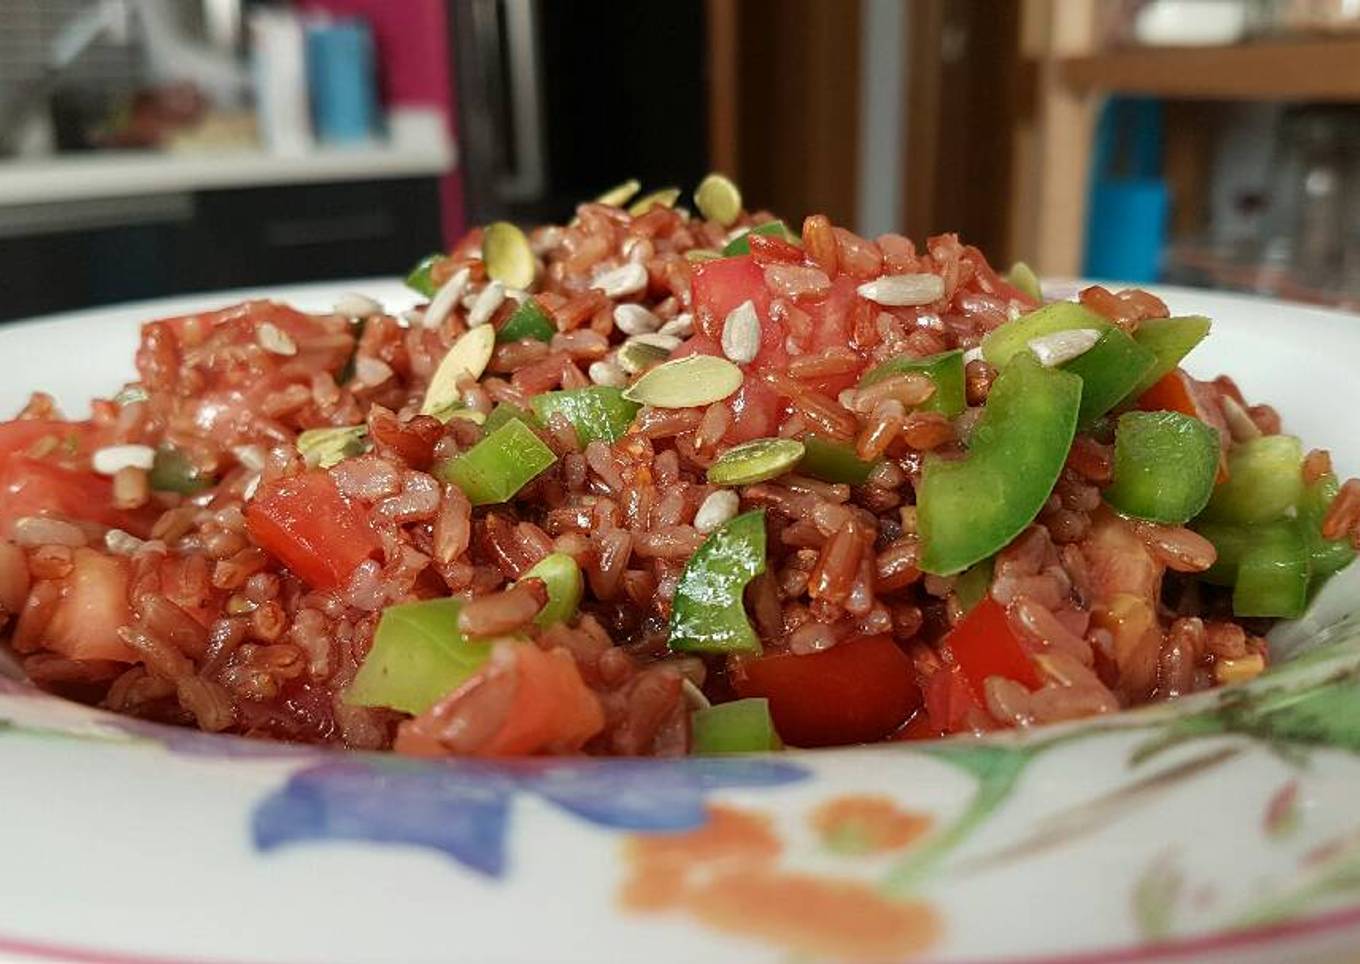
point(858, 691)
point(520, 702)
point(919, 727)
point(756, 407)
point(949, 703)
point(723, 284)
point(983, 644)
point(186, 585)
point(1178, 392)
point(37, 487)
point(1124, 579)
point(1169, 394)
point(992, 283)
point(20, 435)
point(94, 603)
point(318, 533)
point(553, 709)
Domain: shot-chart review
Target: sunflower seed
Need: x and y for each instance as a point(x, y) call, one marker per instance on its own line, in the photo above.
point(486, 304)
point(626, 279)
point(122, 543)
point(274, 339)
point(741, 333)
point(1062, 346)
point(445, 298)
point(607, 373)
point(111, 458)
point(355, 305)
point(903, 289)
point(371, 371)
point(716, 509)
point(635, 320)
point(681, 326)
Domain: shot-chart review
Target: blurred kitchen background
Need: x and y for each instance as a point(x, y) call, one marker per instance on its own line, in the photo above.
point(152, 147)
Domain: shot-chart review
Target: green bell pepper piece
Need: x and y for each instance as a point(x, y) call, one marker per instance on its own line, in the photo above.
point(1265, 481)
point(833, 461)
point(1169, 340)
point(1109, 371)
point(498, 466)
point(171, 471)
point(967, 509)
point(741, 244)
point(973, 584)
point(598, 412)
point(1004, 343)
point(742, 726)
point(1326, 555)
point(946, 370)
point(1231, 543)
point(528, 321)
point(562, 578)
point(417, 657)
point(419, 279)
point(1273, 574)
point(505, 412)
point(1164, 466)
point(707, 613)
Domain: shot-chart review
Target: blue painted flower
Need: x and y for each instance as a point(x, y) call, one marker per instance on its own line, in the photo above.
point(462, 807)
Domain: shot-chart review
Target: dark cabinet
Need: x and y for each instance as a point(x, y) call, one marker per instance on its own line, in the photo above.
point(82, 254)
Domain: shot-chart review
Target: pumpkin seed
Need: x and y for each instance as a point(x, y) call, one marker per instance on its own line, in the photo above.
point(507, 255)
point(686, 382)
point(665, 198)
point(718, 199)
point(1022, 278)
point(469, 355)
point(756, 461)
point(637, 355)
point(324, 447)
point(620, 194)
point(694, 255)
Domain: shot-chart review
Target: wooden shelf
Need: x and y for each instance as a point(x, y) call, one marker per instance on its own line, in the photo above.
point(1322, 69)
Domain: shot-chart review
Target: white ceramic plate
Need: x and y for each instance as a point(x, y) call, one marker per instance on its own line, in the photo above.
point(1224, 827)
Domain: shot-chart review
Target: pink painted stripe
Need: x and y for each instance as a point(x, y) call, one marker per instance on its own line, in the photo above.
point(43, 950)
point(1191, 947)
point(1181, 948)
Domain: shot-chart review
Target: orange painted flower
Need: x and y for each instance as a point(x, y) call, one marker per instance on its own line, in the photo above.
point(727, 875)
point(867, 824)
point(814, 915)
point(663, 863)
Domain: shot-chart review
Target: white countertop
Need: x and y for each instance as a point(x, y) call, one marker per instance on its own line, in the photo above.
point(134, 173)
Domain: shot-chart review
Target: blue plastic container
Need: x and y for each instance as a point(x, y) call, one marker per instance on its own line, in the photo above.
point(1129, 203)
point(340, 74)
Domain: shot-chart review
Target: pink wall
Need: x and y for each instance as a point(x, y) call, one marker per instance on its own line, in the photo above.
point(415, 67)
